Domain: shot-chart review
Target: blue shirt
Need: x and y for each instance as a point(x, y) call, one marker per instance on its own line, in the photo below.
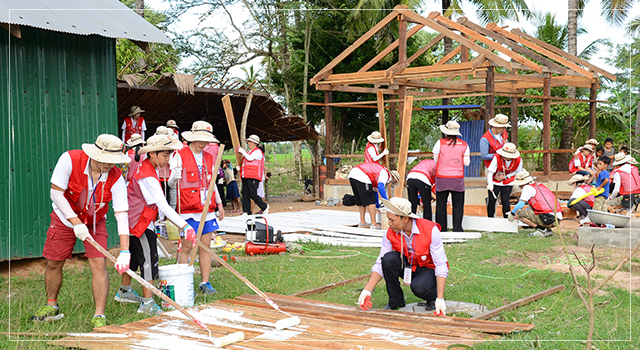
point(603, 175)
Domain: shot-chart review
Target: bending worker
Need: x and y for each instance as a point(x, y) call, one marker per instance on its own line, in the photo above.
point(372, 152)
point(420, 180)
point(626, 192)
point(82, 185)
point(365, 179)
point(539, 213)
point(412, 250)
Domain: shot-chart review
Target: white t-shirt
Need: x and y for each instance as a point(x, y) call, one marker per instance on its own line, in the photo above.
point(60, 178)
point(176, 162)
point(528, 192)
point(579, 191)
point(360, 175)
point(152, 193)
point(374, 153)
point(419, 176)
point(466, 160)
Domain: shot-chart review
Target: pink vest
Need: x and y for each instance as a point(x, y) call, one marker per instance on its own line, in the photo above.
point(629, 183)
point(372, 170)
point(193, 181)
point(140, 213)
point(367, 155)
point(253, 169)
point(502, 167)
point(590, 199)
point(451, 159)
point(130, 129)
point(494, 144)
point(539, 202)
point(426, 167)
point(585, 162)
point(133, 165)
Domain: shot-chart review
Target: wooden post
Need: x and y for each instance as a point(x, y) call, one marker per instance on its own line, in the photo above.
point(519, 302)
point(489, 110)
point(514, 116)
point(464, 57)
point(392, 144)
point(233, 130)
point(383, 127)
point(546, 124)
point(402, 90)
point(245, 116)
point(592, 110)
point(404, 143)
point(445, 112)
point(328, 118)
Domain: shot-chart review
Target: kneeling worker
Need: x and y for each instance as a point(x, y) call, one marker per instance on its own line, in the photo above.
point(145, 200)
point(539, 213)
point(422, 265)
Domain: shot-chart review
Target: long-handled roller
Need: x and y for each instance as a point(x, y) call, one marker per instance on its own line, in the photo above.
point(593, 192)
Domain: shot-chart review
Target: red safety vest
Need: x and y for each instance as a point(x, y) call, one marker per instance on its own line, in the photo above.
point(426, 167)
point(590, 199)
point(133, 165)
point(451, 159)
point(494, 144)
point(130, 129)
point(629, 183)
point(367, 155)
point(141, 214)
point(193, 181)
point(539, 202)
point(253, 169)
point(585, 162)
point(372, 170)
point(421, 243)
point(76, 192)
point(502, 167)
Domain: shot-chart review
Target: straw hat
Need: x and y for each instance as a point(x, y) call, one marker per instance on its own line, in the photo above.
point(451, 128)
point(509, 150)
point(200, 131)
point(160, 143)
point(136, 139)
point(588, 147)
point(522, 178)
point(172, 124)
point(577, 178)
point(106, 149)
point(253, 138)
point(621, 158)
point(375, 137)
point(500, 121)
point(592, 142)
point(396, 176)
point(135, 110)
point(399, 206)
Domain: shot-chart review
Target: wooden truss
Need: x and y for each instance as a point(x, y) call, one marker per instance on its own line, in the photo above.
point(523, 62)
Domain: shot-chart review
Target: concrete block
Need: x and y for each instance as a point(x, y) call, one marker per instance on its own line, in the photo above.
point(627, 237)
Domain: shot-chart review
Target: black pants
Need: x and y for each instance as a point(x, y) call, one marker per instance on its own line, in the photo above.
point(423, 280)
point(144, 255)
point(249, 192)
point(457, 201)
point(415, 186)
point(222, 195)
point(581, 207)
point(505, 193)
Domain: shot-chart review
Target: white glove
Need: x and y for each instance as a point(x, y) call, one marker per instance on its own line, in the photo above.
point(490, 186)
point(441, 308)
point(81, 231)
point(176, 174)
point(124, 259)
point(365, 300)
point(511, 217)
point(385, 152)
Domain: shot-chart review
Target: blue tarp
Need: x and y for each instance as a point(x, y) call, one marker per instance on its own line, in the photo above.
point(451, 107)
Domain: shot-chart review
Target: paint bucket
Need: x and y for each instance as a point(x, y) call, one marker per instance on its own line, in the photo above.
point(176, 281)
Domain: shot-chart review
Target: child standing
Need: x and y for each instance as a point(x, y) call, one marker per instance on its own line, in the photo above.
point(609, 151)
point(602, 181)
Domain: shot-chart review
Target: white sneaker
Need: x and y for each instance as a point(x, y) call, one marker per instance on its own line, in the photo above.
point(584, 220)
point(266, 211)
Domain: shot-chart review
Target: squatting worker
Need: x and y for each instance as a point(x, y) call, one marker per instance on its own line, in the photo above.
point(412, 250)
point(451, 155)
point(420, 180)
point(500, 174)
point(372, 153)
point(191, 172)
point(133, 124)
point(494, 138)
point(252, 172)
point(539, 213)
point(145, 201)
point(82, 185)
point(626, 179)
point(365, 179)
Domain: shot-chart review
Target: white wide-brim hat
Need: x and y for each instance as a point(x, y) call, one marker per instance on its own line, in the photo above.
point(136, 139)
point(577, 178)
point(592, 142)
point(375, 137)
point(172, 124)
point(588, 147)
point(451, 128)
point(253, 138)
point(621, 158)
point(523, 178)
point(500, 121)
point(160, 143)
point(200, 131)
point(396, 176)
point(135, 110)
point(509, 150)
point(399, 206)
point(106, 149)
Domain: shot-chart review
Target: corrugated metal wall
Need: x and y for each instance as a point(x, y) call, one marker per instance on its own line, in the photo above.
point(471, 132)
point(59, 91)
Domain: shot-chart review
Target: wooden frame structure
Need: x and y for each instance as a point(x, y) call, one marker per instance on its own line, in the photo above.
point(490, 61)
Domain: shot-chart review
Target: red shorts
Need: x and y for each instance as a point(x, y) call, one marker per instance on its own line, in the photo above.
point(61, 240)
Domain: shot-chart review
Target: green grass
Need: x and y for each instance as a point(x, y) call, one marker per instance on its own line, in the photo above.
point(479, 274)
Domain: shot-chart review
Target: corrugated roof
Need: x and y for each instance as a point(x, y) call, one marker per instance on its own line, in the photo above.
point(108, 18)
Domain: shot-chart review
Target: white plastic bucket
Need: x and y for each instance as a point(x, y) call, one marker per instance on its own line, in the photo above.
point(177, 282)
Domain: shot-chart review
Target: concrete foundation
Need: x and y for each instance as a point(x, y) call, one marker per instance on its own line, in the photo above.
point(627, 237)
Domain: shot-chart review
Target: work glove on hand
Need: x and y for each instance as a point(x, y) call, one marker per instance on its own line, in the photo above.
point(441, 308)
point(176, 174)
point(81, 231)
point(490, 186)
point(385, 152)
point(189, 233)
point(239, 149)
point(124, 259)
point(365, 300)
point(511, 217)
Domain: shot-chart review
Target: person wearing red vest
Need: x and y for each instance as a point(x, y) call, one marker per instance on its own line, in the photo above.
point(365, 179)
point(146, 199)
point(411, 249)
point(541, 201)
point(372, 152)
point(82, 185)
point(579, 182)
point(252, 172)
point(582, 162)
point(420, 180)
point(500, 174)
point(133, 145)
point(451, 155)
point(494, 138)
point(626, 191)
point(133, 124)
point(164, 172)
point(191, 172)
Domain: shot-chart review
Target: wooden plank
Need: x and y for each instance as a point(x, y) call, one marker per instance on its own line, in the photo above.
point(490, 99)
point(359, 89)
point(388, 49)
point(514, 116)
point(546, 126)
point(593, 94)
point(449, 56)
point(520, 302)
point(328, 133)
point(382, 125)
point(331, 286)
point(399, 67)
point(233, 130)
point(404, 144)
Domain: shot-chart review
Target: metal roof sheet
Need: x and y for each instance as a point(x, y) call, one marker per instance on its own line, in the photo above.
point(108, 18)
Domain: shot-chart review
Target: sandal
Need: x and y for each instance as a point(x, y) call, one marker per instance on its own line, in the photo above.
point(376, 227)
point(363, 226)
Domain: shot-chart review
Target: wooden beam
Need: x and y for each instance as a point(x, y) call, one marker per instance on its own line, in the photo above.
point(519, 302)
point(233, 129)
point(324, 72)
point(14, 29)
point(546, 126)
point(538, 103)
point(328, 121)
point(489, 111)
point(449, 56)
point(593, 93)
point(382, 125)
point(388, 49)
point(404, 144)
point(393, 70)
point(329, 87)
point(514, 116)
point(330, 286)
point(393, 144)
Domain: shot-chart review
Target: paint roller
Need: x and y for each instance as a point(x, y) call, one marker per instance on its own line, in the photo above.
point(593, 192)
